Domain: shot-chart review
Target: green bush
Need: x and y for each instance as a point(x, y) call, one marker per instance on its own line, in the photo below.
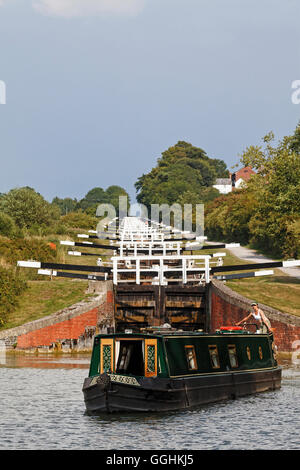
point(7, 225)
point(79, 220)
point(291, 247)
point(28, 208)
point(26, 249)
point(227, 217)
point(11, 286)
point(60, 229)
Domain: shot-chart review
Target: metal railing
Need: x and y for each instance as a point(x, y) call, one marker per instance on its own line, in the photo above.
point(161, 270)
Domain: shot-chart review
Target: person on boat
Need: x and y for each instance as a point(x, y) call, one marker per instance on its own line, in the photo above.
point(259, 317)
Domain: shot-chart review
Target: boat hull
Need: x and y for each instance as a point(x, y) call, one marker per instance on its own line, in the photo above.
point(104, 394)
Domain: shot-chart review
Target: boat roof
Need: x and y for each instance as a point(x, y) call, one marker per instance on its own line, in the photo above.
point(160, 331)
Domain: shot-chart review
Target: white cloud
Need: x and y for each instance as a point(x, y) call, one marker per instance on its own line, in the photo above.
point(69, 8)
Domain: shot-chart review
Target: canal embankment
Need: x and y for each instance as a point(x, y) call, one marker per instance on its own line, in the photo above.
point(69, 330)
point(228, 307)
point(72, 329)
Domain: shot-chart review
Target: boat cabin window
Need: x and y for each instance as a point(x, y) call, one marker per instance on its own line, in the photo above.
point(191, 357)
point(232, 355)
point(260, 353)
point(214, 356)
point(130, 357)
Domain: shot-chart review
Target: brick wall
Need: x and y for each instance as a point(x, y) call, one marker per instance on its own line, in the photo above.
point(67, 329)
point(227, 307)
point(69, 323)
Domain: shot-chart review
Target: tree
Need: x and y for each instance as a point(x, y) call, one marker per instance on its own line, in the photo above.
point(295, 140)
point(93, 198)
point(278, 179)
point(181, 169)
point(79, 220)
point(267, 212)
point(65, 205)
point(98, 195)
point(28, 208)
point(113, 193)
point(220, 168)
point(7, 225)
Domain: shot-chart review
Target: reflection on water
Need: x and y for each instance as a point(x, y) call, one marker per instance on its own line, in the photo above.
point(47, 361)
point(42, 407)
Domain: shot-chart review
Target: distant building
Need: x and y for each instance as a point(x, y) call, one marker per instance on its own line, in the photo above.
point(241, 177)
point(223, 185)
point(236, 181)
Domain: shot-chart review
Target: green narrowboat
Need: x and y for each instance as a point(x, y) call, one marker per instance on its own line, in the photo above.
point(161, 369)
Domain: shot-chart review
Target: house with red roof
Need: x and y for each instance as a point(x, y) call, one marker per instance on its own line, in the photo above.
point(241, 177)
point(235, 181)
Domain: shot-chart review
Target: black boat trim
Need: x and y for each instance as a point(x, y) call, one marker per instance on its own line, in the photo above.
point(225, 372)
point(223, 333)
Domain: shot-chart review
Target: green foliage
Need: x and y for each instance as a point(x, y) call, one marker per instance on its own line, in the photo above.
point(227, 217)
point(24, 212)
point(98, 196)
point(182, 170)
point(113, 193)
point(60, 229)
point(292, 242)
point(267, 213)
point(28, 208)
point(26, 249)
point(65, 205)
point(11, 286)
point(94, 197)
point(80, 220)
point(7, 225)
point(294, 142)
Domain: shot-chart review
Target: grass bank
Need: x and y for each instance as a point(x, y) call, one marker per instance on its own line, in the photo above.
point(278, 291)
point(45, 297)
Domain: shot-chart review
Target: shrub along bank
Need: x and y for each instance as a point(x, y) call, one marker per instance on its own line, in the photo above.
point(11, 286)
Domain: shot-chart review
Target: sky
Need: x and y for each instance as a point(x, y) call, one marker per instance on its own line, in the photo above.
point(96, 90)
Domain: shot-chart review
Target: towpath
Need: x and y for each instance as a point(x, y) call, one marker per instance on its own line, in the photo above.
point(248, 254)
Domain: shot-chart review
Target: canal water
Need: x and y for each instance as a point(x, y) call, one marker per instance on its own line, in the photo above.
point(42, 407)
